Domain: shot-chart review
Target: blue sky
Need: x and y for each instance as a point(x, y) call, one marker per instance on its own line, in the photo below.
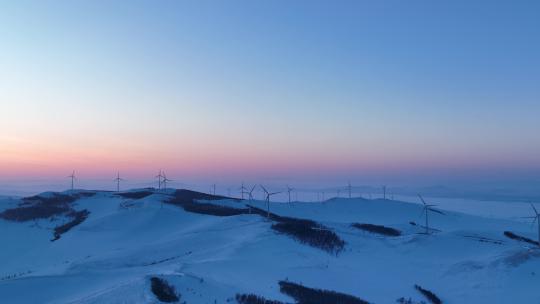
point(370, 90)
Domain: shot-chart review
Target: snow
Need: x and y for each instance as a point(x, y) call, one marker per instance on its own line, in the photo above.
point(110, 257)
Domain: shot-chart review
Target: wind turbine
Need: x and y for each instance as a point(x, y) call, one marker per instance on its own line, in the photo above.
point(243, 190)
point(268, 195)
point(536, 219)
point(427, 208)
point(250, 195)
point(289, 189)
point(384, 191)
point(159, 176)
point(165, 180)
point(72, 176)
point(214, 189)
point(349, 187)
point(250, 192)
point(118, 179)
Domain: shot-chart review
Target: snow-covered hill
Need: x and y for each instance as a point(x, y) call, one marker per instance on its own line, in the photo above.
point(110, 255)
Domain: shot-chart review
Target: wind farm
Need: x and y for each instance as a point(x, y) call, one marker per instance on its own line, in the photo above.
point(328, 233)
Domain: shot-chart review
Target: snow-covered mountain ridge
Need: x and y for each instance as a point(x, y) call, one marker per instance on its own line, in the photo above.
point(105, 247)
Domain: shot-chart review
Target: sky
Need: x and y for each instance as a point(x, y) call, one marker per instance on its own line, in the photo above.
point(398, 92)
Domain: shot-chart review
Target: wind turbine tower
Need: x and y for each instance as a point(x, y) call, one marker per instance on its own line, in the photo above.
point(72, 176)
point(243, 190)
point(349, 187)
point(159, 176)
point(118, 180)
point(289, 190)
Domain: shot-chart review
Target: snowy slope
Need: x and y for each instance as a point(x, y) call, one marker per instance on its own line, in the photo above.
point(110, 257)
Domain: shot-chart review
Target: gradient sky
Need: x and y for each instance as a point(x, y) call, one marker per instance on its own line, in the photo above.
point(395, 90)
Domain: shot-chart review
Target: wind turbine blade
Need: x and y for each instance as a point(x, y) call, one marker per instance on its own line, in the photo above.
point(436, 211)
point(534, 209)
point(422, 199)
point(275, 193)
point(264, 189)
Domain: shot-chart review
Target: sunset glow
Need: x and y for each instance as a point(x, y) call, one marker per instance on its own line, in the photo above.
point(358, 89)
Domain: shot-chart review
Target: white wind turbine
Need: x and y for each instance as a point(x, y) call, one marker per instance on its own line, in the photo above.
point(118, 180)
point(268, 195)
point(72, 176)
point(165, 180)
point(250, 193)
point(243, 190)
point(159, 176)
point(289, 190)
point(250, 196)
point(536, 220)
point(426, 209)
